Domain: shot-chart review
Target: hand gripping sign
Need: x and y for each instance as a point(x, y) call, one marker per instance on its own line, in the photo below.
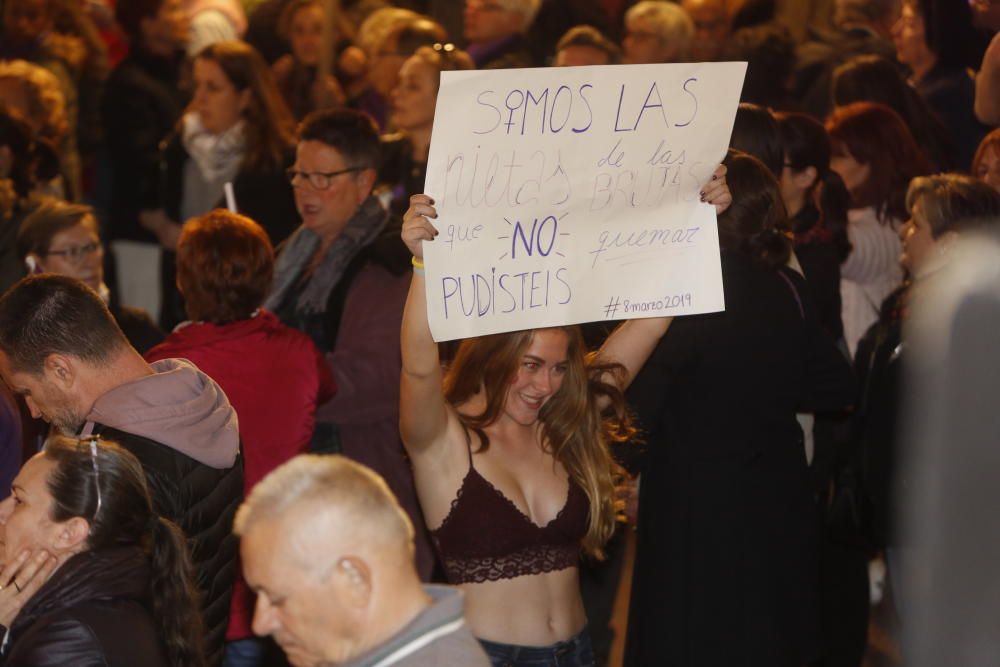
point(571, 194)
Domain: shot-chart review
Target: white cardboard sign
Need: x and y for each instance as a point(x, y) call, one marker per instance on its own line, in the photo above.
point(568, 195)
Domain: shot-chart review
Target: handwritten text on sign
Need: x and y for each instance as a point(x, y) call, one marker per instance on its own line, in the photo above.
point(570, 195)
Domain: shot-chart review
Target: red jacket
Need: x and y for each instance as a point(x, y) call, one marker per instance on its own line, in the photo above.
point(274, 377)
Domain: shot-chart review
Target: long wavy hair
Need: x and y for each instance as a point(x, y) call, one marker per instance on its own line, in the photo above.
point(269, 124)
point(125, 516)
point(575, 431)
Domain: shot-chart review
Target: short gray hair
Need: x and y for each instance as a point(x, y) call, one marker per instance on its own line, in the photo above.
point(953, 202)
point(671, 23)
point(331, 481)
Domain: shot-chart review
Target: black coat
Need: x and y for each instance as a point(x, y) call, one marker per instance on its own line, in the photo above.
point(142, 103)
point(725, 570)
point(93, 612)
point(263, 195)
point(201, 500)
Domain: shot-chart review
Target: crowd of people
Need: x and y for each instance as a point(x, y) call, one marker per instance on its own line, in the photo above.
point(229, 437)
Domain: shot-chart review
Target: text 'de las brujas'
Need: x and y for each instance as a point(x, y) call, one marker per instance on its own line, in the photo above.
point(568, 195)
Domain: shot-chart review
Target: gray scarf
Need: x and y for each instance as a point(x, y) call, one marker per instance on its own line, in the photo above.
point(363, 227)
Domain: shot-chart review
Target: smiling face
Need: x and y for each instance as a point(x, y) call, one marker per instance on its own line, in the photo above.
point(307, 34)
point(88, 264)
point(24, 515)
point(303, 608)
point(413, 99)
point(216, 100)
point(539, 377)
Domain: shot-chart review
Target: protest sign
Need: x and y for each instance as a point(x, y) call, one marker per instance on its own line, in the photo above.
point(571, 194)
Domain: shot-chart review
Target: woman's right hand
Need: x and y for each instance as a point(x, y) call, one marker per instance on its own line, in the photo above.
point(417, 227)
point(20, 579)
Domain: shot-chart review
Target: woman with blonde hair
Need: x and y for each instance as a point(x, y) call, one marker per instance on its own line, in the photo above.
point(515, 437)
point(237, 130)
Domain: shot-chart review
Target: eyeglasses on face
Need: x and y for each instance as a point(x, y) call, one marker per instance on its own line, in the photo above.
point(320, 180)
point(77, 252)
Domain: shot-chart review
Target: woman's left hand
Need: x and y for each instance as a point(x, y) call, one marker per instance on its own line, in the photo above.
point(716, 192)
point(20, 579)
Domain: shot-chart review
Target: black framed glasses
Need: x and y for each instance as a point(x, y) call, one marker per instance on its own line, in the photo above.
point(320, 180)
point(77, 252)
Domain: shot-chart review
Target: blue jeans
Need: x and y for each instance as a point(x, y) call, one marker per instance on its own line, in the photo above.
point(243, 653)
point(575, 652)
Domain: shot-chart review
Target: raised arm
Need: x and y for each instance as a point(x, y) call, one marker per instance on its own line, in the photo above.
point(423, 411)
point(631, 343)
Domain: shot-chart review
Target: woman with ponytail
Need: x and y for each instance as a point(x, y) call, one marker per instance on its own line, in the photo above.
point(725, 507)
point(816, 201)
point(91, 575)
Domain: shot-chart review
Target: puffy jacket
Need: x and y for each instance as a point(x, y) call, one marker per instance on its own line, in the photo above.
point(93, 612)
point(180, 425)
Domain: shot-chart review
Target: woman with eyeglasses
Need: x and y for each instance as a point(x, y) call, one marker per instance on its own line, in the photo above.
point(237, 130)
point(91, 574)
point(404, 154)
point(58, 237)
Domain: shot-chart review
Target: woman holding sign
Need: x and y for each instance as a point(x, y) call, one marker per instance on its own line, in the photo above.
point(509, 452)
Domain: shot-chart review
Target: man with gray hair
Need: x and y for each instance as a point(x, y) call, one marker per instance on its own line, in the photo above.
point(329, 552)
point(494, 30)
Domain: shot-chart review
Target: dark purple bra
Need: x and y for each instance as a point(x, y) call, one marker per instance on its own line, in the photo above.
point(485, 537)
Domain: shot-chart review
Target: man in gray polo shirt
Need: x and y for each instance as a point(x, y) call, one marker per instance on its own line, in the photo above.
point(329, 552)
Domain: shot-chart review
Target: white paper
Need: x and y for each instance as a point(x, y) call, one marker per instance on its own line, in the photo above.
point(571, 194)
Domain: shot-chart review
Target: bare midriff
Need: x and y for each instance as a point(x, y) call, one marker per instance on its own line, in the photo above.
point(533, 610)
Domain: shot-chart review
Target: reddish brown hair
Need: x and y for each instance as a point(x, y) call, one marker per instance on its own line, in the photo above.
point(991, 142)
point(875, 135)
point(225, 264)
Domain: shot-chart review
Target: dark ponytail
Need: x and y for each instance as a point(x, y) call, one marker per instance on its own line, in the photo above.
point(755, 223)
point(103, 483)
point(173, 595)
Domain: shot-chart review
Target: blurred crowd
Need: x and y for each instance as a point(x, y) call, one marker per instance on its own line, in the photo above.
point(201, 210)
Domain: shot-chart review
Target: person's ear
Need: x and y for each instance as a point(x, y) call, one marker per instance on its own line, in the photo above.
point(71, 535)
point(806, 178)
point(354, 580)
point(60, 369)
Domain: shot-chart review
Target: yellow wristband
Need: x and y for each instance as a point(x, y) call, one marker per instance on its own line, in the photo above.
point(416, 263)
